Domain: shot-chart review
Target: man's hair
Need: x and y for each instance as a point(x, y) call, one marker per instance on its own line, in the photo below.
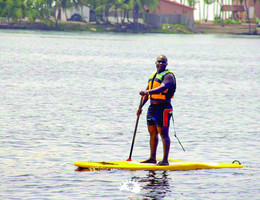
point(162, 57)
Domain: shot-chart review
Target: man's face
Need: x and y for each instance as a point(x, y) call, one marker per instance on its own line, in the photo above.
point(161, 64)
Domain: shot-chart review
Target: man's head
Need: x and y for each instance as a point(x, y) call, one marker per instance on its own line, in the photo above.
point(161, 63)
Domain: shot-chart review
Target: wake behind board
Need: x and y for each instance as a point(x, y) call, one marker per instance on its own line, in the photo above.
point(174, 165)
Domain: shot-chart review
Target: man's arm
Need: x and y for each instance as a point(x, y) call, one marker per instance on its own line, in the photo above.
point(145, 98)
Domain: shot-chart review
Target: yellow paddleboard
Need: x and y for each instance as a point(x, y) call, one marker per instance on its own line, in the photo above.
point(174, 165)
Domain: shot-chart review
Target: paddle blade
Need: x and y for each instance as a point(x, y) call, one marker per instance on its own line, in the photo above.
point(129, 159)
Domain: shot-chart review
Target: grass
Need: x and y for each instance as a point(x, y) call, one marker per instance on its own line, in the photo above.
point(173, 28)
point(227, 21)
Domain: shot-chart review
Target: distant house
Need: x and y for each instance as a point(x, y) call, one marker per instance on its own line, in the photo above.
point(79, 13)
point(239, 10)
point(172, 7)
point(235, 9)
point(170, 12)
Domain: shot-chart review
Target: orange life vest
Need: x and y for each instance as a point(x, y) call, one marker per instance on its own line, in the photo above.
point(155, 80)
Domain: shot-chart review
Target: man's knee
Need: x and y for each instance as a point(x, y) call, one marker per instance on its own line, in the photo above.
point(152, 129)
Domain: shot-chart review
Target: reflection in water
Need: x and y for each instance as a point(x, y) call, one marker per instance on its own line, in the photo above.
point(156, 184)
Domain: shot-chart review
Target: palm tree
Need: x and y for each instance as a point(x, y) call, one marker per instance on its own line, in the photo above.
point(57, 12)
point(191, 3)
point(62, 4)
point(125, 8)
point(208, 2)
point(104, 7)
point(97, 6)
point(247, 13)
point(217, 9)
point(214, 8)
point(138, 5)
point(41, 11)
point(13, 9)
point(18, 9)
point(204, 10)
point(199, 9)
point(248, 19)
point(2, 7)
point(122, 6)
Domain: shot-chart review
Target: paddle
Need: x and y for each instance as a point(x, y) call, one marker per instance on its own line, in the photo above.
point(175, 134)
point(136, 124)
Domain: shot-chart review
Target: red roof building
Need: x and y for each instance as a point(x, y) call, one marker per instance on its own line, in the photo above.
point(172, 7)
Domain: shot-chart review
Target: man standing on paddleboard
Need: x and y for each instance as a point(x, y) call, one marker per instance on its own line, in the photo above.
point(160, 90)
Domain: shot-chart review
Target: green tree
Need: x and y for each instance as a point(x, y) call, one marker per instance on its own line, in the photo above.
point(13, 9)
point(207, 2)
point(95, 6)
point(93, 3)
point(191, 3)
point(248, 19)
point(125, 8)
point(104, 7)
point(39, 9)
point(247, 13)
point(64, 5)
point(217, 10)
point(19, 9)
point(2, 6)
point(138, 5)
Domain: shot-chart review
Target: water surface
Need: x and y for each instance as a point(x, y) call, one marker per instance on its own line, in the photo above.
point(67, 97)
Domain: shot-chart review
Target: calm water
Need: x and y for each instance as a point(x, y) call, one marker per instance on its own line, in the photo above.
point(67, 97)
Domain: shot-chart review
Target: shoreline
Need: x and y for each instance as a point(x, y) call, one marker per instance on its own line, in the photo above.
point(202, 28)
point(233, 29)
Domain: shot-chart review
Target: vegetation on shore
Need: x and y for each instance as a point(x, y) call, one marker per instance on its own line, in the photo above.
point(173, 28)
point(44, 15)
point(48, 11)
point(101, 27)
point(126, 28)
point(227, 21)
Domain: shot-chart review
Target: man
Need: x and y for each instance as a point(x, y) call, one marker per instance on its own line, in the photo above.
point(160, 90)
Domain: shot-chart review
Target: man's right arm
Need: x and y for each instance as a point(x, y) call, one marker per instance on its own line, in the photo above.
point(145, 98)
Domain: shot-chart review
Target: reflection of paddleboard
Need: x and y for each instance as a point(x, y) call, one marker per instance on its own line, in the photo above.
point(173, 165)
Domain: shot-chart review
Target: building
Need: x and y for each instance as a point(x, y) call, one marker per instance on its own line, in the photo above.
point(170, 12)
point(239, 11)
point(79, 13)
point(173, 7)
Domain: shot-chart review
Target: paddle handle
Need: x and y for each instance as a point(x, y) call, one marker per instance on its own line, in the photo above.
point(136, 125)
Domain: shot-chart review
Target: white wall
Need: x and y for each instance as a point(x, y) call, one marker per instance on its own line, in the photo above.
point(84, 11)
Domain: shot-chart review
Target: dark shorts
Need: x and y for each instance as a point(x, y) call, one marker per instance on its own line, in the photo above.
point(159, 114)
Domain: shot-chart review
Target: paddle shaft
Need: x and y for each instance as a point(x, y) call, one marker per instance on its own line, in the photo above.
point(175, 134)
point(136, 125)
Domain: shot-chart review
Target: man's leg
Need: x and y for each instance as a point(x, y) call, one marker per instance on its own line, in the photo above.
point(153, 144)
point(164, 132)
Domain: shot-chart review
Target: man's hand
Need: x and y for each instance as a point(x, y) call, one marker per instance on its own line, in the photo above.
point(139, 112)
point(144, 92)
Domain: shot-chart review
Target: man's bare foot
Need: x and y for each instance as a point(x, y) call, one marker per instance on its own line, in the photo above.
point(163, 163)
point(149, 161)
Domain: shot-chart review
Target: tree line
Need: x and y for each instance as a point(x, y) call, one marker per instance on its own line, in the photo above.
point(47, 10)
